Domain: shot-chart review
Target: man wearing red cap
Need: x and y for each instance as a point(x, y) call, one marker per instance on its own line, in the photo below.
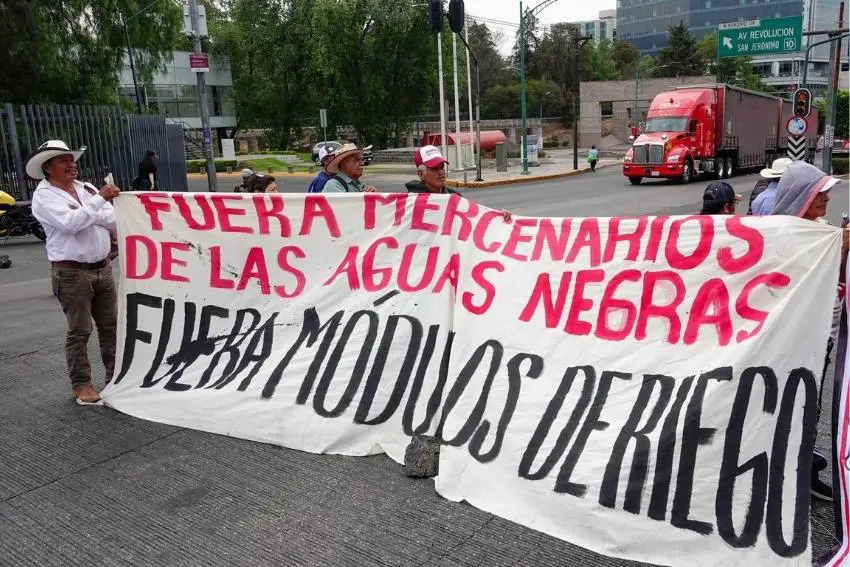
point(430, 167)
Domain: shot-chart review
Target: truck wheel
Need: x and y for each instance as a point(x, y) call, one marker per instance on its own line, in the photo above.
point(730, 167)
point(720, 168)
point(635, 180)
point(687, 173)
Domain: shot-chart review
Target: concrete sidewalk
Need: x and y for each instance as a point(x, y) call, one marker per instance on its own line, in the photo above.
point(514, 175)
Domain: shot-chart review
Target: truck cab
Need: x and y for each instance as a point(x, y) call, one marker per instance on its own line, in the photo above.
point(679, 132)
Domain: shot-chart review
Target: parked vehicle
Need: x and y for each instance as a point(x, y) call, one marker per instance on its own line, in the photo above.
point(713, 129)
point(16, 219)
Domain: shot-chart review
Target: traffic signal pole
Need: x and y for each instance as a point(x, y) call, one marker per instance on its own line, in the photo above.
point(835, 59)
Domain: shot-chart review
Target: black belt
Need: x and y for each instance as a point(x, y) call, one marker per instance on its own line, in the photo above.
point(80, 265)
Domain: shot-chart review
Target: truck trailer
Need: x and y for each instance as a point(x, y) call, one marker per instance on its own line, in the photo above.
point(705, 129)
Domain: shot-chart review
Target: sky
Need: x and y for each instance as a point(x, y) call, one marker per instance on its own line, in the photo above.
point(503, 15)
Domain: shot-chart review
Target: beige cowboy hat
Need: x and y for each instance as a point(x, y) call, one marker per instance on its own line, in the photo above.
point(346, 151)
point(47, 151)
point(777, 168)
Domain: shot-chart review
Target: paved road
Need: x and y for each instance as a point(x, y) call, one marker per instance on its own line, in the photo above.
point(90, 486)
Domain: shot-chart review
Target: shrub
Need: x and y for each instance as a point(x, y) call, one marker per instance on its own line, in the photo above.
point(840, 166)
point(221, 165)
point(552, 144)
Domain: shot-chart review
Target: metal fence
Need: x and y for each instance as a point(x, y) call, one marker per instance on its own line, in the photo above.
point(115, 142)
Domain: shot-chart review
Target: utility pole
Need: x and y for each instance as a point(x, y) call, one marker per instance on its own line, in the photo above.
point(202, 96)
point(832, 91)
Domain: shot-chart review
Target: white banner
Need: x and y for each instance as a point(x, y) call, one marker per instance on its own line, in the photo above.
point(642, 387)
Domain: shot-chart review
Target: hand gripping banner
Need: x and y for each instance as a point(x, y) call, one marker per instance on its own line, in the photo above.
point(642, 387)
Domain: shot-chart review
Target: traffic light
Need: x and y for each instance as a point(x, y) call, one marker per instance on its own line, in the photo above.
point(435, 15)
point(802, 102)
point(456, 15)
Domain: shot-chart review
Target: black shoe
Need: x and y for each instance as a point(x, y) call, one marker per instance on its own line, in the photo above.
point(821, 490)
point(818, 461)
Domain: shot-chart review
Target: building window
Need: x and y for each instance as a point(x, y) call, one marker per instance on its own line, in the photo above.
point(707, 4)
point(785, 69)
point(603, 29)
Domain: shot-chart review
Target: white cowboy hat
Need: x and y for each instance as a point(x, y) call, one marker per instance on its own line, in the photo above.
point(47, 151)
point(776, 169)
point(338, 156)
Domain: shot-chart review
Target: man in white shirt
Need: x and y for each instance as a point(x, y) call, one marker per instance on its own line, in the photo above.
point(77, 219)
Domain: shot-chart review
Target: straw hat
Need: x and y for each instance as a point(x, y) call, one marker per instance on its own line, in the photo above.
point(776, 169)
point(47, 151)
point(346, 151)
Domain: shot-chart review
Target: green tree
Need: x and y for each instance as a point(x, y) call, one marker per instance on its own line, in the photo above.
point(626, 56)
point(484, 45)
point(377, 58)
point(842, 112)
point(600, 61)
point(502, 101)
point(680, 58)
point(732, 70)
point(268, 43)
point(72, 51)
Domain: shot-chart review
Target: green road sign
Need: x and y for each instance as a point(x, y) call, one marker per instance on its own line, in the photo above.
point(760, 37)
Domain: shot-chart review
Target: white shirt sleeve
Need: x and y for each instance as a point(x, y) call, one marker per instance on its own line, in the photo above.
point(51, 209)
point(106, 216)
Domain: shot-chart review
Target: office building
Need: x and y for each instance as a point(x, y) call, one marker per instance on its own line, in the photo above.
point(174, 92)
point(604, 27)
point(645, 22)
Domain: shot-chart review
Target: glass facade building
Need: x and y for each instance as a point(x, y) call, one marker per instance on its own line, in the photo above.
point(645, 22)
point(174, 92)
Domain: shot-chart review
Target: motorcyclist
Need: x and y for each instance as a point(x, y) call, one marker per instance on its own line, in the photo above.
point(325, 157)
point(247, 174)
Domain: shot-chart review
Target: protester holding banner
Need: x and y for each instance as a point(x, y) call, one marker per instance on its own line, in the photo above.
point(719, 199)
point(431, 169)
point(77, 221)
point(346, 169)
point(803, 191)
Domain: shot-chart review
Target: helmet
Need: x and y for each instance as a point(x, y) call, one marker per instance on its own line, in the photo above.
point(331, 147)
point(5, 262)
point(246, 173)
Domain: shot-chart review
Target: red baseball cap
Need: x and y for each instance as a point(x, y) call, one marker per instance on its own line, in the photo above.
point(429, 156)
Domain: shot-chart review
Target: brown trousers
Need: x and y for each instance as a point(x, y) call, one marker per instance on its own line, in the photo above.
point(85, 295)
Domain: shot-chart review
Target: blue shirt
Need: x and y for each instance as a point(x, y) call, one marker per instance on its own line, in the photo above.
point(763, 205)
point(319, 181)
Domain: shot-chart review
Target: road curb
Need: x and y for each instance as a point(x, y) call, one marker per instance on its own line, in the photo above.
point(527, 179)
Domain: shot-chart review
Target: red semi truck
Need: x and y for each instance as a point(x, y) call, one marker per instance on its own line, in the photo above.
point(713, 129)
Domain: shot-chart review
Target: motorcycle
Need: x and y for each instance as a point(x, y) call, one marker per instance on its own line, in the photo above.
point(17, 219)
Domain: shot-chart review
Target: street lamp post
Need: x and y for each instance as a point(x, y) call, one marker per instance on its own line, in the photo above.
point(522, 17)
point(577, 47)
point(543, 98)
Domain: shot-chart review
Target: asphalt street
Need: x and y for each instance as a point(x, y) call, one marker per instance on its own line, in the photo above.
point(605, 193)
point(90, 486)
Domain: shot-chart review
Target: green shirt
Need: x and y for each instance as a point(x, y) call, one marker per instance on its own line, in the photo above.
point(342, 183)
